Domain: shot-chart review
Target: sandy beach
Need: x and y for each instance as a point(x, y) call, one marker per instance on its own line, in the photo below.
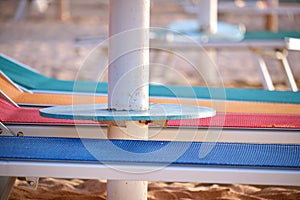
point(47, 44)
point(76, 189)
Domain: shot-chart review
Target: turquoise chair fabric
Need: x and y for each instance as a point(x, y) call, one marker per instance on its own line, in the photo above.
point(33, 80)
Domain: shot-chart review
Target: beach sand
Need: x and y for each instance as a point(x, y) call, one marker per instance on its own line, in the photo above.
point(46, 44)
point(75, 189)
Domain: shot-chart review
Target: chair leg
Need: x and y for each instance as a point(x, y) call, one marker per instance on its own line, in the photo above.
point(272, 19)
point(64, 10)
point(271, 22)
point(6, 185)
point(286, 67)
point(267, 81)
point(21, 10)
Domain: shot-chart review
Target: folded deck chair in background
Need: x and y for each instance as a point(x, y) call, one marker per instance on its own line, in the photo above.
point(63, 8)
point(270, 9)
point(263, 44)
point(278, 53)
point(252, 149)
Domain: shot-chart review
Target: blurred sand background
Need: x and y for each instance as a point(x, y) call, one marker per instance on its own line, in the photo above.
point(48, 45)
point(45, 43)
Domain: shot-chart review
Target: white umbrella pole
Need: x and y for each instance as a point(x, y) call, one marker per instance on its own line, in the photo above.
point(128, 80)
point(208, 15)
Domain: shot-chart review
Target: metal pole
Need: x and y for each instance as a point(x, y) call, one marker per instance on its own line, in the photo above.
point(272, 19)
point(208, 15)
point(267, 80)
point(282, 55)
point(22, 10)
point(64, 12)
point(208, 22)
point(6, 185)
point(128, 78)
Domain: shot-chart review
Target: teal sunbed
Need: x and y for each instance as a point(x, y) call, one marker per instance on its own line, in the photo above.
point(34, 81)
point(268, 35)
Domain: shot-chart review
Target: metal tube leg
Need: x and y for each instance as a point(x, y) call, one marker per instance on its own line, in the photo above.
point(64, 12)
point(21, 10)
point(288, 70)
point(272, 19)
point(6, 185)
point(267, 81)
point(208, 15)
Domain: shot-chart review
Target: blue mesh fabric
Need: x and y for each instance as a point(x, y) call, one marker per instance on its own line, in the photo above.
point(154, 152)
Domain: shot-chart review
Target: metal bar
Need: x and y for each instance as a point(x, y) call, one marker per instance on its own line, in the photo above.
point(6, 185)
point(7, 79)
point(208, 15)
point(293, 44)
point(3, 95)
point(158, 44)
point(5, 131)
point(256, 136)
point(152, 173)
point(287, 69)
point(272, 18)
point(64, 11)
point(267, 81)
point(225, 7)
point(21, 10)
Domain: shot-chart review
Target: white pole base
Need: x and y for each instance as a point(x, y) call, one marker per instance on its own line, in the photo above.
point(127, 190)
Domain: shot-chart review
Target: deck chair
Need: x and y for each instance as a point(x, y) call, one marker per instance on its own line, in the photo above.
point(277, 53)
point(12, 113)
point(263, 44)
point(270, 12)
point(21, 74)
point(63, 12)
point(29, 98)
point(252, 149)
point(18, 74)
point(239, 100)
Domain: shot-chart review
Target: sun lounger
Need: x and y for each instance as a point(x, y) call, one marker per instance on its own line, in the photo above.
point(248, 7)
point(251, 148)
point(269, 10)
point(11, 113)
point(222, 145)
point(40, 156)
point(43, 99)
point(264, 44)
point(17, 118)
point(32, 80)
point(35, 82)
point(226, 163)
point(13, 116)
point(223, 100)
point(63, 7)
